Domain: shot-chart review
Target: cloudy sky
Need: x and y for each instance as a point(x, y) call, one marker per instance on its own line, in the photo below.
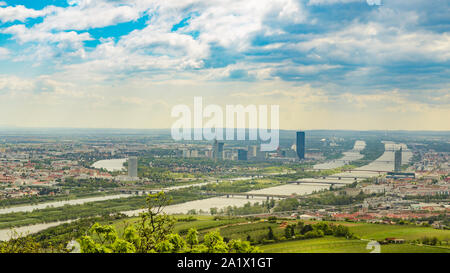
point(329, 64)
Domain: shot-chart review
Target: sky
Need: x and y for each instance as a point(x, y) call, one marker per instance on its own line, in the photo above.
point(328, 64)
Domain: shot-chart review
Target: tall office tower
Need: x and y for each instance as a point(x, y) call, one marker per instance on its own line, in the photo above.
point(218, 150)
point(398, 160)
point(300, 145)
point(221, 150)
point(242, 154)
point(132, 166)
point(260, 155)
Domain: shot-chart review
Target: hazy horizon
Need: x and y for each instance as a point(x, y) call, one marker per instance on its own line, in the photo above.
point(168, 129)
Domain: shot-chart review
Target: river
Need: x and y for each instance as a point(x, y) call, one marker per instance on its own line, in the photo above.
point(348, 157)
point(110, 165)
point(28, 208)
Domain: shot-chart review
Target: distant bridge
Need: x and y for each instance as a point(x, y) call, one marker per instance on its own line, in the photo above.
point(248, 195)
point(317, 182)
point(354, 170)
point(227, 194)
point(339, 177)
point(348, 161)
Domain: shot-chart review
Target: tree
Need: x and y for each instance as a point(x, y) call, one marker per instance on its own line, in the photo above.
point(288, 232)
point(20, 244)
point(154, 233)
point(300, 226)
point(214, 242)
point(238, 246)
point(192, 237)
point(213, 211)
point(287, 204)
point(314, 234)
point(270, 234)
point(306, 229)
point(154, 226)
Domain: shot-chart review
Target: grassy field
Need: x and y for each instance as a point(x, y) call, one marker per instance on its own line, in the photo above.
point(381, 232)
point(204, 224)
point(320, 245)
point(340, 245)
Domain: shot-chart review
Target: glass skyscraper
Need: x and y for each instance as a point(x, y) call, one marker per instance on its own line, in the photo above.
point(301, 145)
point(242, 154)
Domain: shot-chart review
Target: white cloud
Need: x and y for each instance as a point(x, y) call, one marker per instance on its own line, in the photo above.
point(69, 39)
point(90, 14)
point(21, 13)
point(374, 43)
point(330, 2)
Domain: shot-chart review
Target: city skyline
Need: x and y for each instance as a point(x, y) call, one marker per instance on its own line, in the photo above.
point(350, 64)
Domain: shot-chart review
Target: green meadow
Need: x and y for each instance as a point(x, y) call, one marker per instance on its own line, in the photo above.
point(339, 245)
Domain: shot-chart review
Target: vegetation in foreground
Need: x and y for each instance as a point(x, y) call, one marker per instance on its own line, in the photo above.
point(153, 233)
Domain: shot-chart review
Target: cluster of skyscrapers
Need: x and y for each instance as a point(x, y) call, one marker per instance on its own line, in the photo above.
point(252, 152)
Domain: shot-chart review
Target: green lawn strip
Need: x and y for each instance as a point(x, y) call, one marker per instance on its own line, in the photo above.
point(340, 245)
point(407, 232)
point(320, 245)
point(409, 248)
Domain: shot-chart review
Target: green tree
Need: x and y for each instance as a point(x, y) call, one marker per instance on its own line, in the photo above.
point(270, 234)
point(289, 231)
point(213, 211)
point(20, 244)
point(154, 225)
point(214, 242)
point(238, 246)
point(192, 237)
point(154, 233)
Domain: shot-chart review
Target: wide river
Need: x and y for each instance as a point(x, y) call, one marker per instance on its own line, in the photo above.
point(110, 164)
point(56, 204)
point(348, 157)
point(383, 163)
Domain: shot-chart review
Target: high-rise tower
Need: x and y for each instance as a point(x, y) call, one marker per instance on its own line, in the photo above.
point(218, 150)
point(242, 154)
point(132, 166)
point(301, 145)
point(398, 160)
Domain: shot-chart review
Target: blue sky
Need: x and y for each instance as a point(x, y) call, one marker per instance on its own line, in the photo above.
point(329, 64)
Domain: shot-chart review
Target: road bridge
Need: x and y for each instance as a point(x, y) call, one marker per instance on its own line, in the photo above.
point(248, 195)
point(318, 182)
point(354, 170)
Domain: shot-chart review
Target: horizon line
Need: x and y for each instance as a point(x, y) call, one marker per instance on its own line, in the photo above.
point(224, 128)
